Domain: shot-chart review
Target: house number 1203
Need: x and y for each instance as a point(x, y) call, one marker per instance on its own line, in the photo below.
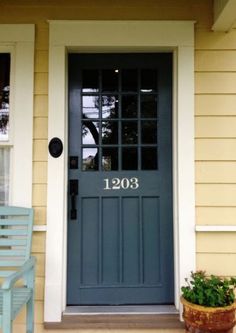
point(121, 183)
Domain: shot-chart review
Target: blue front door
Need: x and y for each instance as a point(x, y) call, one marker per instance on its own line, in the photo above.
point(120, 223)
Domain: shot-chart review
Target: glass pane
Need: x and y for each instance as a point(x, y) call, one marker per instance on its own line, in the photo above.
point(110, 159)
point(129, 106)
point(149, 131)
point(90, 159)
point(148, 80)
point(110, 79)
point(4, 175)
point(129, 132)
point(149, 158)
point(4, 95)
point(90, 133)
point(90, 106)
point(110, 132)
point(129, 80)
point(148, 106)
point(109, 106)
point(90, 80)
point(129, 158)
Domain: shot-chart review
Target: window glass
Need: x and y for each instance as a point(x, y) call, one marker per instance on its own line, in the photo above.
point(4, 175)
point(4, 95)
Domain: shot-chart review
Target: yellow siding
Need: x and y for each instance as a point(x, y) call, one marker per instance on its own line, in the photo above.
point(215, 105)
point(215, 110)
point(215, 172)
point(218, 242)
point(215, 61)
point(215, 215)
point(215, 149)
point(215, 127)
point(222, 264)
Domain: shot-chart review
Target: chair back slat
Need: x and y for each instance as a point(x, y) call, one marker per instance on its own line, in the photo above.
point(12, 253)
point(13, 222)
point(6, 273)
point(11, 263)
point(16, 225)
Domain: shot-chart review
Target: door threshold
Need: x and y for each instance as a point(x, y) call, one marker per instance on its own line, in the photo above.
point(119, 317)
point(120, 310)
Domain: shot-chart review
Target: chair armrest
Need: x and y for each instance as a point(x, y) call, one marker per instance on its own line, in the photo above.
point(11, 280)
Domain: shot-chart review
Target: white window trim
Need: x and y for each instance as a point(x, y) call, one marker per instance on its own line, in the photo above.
point(18, 40)
point(119, 36)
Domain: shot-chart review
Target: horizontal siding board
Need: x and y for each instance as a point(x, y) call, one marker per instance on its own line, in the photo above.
point(40, 128)
point(40, 152)
point(40, 215)
point(41, 61)
point(216, 61)
point(215, 149)
point(41, 105)
point(216, 215)
point(215, 105)
point(40, 172)
point(215, 172)
point(216, 195)
point(38, 242)
point(39, 194)
point(207, 40)
point(216, 263)
point(215, 127)
point(212, 242)
point(215, 83)
point(41, 83)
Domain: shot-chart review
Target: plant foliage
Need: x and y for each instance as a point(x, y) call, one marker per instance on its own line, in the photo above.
point(211, 291)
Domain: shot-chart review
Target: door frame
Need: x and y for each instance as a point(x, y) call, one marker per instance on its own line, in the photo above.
point(118, 37)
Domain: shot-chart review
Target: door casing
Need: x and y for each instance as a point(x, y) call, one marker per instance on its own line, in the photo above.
point(120, 36)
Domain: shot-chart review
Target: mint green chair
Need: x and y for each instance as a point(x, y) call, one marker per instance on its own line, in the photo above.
point(16, 264)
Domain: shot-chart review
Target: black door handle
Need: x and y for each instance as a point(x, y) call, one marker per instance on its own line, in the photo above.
point(73, 194)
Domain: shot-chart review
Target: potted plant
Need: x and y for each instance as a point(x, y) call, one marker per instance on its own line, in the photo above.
point(209, 303)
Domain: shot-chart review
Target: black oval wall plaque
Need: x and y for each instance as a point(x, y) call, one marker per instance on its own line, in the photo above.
point(55, 147)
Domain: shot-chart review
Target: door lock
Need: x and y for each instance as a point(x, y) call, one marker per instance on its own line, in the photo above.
point(73, 193)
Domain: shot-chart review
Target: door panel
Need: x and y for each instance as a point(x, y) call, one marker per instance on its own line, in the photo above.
point(120, 233)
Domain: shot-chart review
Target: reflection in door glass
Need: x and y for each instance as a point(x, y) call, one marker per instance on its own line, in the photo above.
point(148, 80)
point(110, 159)
point(109, 132)
point(90, 133)
point(149, 158)
point(90, 159)
point(129, 80)
point(110, 79)
point(129, 106)
point(129, 132)
point(90, 106)
point(129, 159)
point(109, 106)
point(149, 131)
point(90, 82)
point(4, 95)
point(148, 106)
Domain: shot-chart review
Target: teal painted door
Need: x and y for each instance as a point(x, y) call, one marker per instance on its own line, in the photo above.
point(120, 223)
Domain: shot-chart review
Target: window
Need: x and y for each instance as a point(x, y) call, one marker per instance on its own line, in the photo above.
point(4, 127)
point(16, 113)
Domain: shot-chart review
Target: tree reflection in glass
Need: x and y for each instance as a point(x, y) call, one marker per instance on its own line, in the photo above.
point(4, 95)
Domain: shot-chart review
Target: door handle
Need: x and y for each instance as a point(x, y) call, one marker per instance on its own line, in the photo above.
point(73, 194)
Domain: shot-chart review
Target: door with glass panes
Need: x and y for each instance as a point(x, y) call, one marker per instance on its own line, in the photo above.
point(120, 223)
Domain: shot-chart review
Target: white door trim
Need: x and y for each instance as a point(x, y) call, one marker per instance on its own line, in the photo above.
point(119, 36)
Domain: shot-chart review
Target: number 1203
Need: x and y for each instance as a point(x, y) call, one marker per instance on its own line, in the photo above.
point(123, 183)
